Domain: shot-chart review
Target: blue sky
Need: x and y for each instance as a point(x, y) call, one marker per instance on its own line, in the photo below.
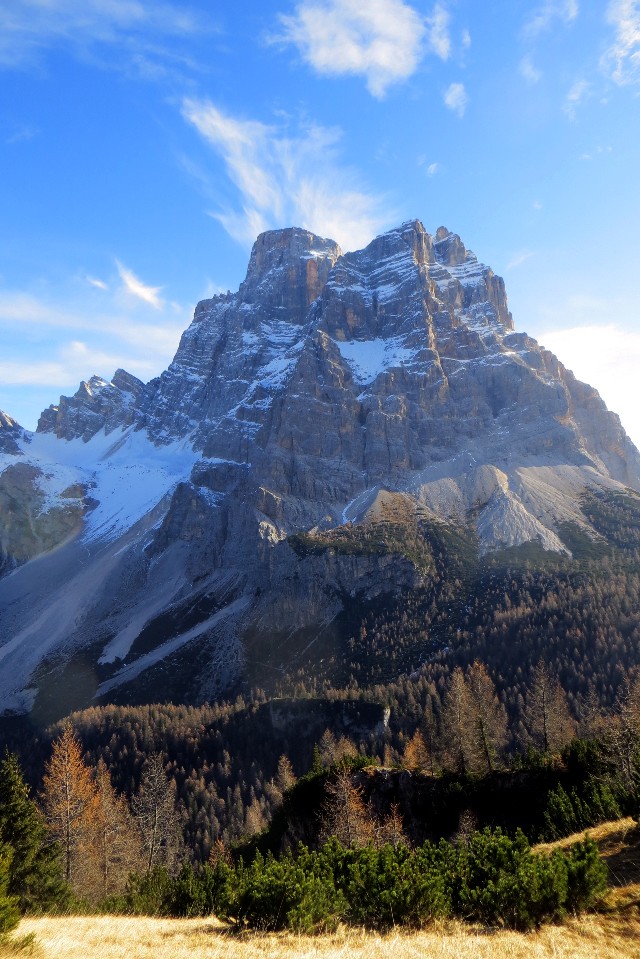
point(144, 145)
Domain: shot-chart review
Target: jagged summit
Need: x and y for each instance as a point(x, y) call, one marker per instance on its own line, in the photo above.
point(332, 392)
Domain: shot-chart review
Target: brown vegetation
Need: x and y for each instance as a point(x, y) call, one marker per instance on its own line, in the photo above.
point(606, 937)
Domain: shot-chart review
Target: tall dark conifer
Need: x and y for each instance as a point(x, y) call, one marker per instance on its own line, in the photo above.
point(9, 915)
point(34, 871)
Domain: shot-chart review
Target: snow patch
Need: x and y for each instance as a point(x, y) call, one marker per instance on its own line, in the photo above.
point(124, 471)
point(368, 358)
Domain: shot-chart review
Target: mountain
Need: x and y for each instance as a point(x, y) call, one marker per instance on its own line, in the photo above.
point(321, 439)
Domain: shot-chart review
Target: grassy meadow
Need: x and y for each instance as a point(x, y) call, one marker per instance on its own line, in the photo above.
point(605, 936)
point(612, 932)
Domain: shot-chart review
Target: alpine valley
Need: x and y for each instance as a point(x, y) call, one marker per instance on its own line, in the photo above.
point(353, 470)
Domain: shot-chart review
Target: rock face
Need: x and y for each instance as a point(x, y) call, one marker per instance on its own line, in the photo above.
point(238, 498)
point(96, 406)
point(10, 432)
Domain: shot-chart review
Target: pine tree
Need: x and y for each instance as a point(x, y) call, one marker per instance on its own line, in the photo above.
point(35, 872)
point(9, 915)
point(71, 807)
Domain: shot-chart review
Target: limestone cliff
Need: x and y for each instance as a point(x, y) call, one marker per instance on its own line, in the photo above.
point(290, 463)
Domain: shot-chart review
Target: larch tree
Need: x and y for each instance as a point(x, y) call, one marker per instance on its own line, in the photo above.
point(547, 716)
point(391, 830)
point(35, 872)
point(487, 720)
point(623, 732)
point(344, 813)
point(71, 807)
point(415, 755)
point(118, 850)
point(456, 724)
point(285, 776)
point(154, 809)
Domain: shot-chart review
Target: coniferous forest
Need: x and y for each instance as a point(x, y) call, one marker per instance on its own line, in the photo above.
point(438, 735)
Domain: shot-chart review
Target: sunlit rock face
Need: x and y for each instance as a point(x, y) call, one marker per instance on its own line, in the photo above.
point(154, 530)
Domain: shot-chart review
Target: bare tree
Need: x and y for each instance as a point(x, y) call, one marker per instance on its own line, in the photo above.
point(331, 751)
point(285, 777)
point(118, 848)
point(488, 720)
point(154, 808)
point(391, 831)
point(456, 715)
point(623, 732)
point(547, 717)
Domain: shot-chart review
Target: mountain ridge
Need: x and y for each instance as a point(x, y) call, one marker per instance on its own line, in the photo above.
point(331, 391)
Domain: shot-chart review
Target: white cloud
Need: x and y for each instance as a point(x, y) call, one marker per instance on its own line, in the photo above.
point(286, 179)
point(22, 134)
point(605, 356)
point(466, 39)
point(28, 27)
point(623, 57)
point(432, 169)
point(519, 258)
point(529, 71)
point(456, 98)
point(135, 287)
point(99, 284)
point(31, 315)
point(51, 344)
point(439, 36)
point(380, 40)
point(575, 96)
point(544, 17)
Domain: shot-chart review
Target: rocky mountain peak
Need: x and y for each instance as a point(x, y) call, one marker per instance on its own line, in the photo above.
point(287, 271)
point(9, 433)
point(244, 493)
point(97, 404)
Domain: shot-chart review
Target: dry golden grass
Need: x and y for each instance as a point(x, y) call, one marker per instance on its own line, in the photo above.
point(615, 936)
point(612, 933)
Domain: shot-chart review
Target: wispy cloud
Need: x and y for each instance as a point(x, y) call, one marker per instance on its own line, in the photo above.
point(545, 15)
point(623, 57)
point(380, 40)
point(519, 258)
point(29, 27)
point(606, 356)
point(21, 135)
point(578, 92)
point(439, 36)
point(135, 287)
point(528, 70)
point(286, 179)
point(456, 99)
point(74, 332)
point(99, 284)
